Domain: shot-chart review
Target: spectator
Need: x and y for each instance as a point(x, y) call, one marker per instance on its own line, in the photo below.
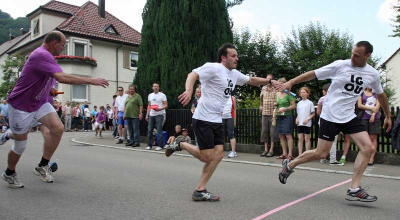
point(76, 117)
point(197, 96)
point(285, 104)
point(119, 107)
point(100, 119)
point(86, 118)
point(57, 107)
point(228, 119)
point(133, 114)
point(110, 118)
point(115, 119)
point(268, 130)
point(157, 103)
point(185, 136)
point(370, 116)
point(178, 131)
point(4, 115)
point(93, 114)
point(305, 113)
point(67, 111)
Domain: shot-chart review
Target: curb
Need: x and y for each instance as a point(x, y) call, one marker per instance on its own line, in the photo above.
point(243, 161)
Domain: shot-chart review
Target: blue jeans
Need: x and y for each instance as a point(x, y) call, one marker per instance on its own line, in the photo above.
point(155, 122)
point(133, 129)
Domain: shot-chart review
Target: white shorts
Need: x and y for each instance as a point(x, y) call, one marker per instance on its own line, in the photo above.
point(98, 125)
point(21, 122)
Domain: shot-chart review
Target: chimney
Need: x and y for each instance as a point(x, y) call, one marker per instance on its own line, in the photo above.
point(10, 35)
point(22, 31)
point(102, 8)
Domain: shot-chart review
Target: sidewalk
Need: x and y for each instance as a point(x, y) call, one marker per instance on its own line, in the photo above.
point(378, 170)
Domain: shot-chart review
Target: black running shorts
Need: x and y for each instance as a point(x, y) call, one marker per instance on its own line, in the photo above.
point(208, 133)
point(328, 130)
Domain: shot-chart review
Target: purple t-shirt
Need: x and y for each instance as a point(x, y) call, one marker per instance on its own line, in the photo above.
point(100, 117)
point(33, 87)
point(369, 101)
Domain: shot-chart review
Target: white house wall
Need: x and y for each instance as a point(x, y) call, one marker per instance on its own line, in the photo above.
point(393, 75)
point(52, 21)
point(2, 62)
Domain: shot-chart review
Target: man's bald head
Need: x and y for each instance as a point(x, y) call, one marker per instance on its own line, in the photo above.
point(54, 42)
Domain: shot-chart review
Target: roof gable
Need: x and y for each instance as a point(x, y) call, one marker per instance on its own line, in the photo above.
point(6, 46)
point(87, 22)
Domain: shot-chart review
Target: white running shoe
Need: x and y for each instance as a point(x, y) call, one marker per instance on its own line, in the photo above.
point(5, 136)
point(232, 154)
point(148, 148)
point(12, 181)
point(44, 173)
point(158, 148)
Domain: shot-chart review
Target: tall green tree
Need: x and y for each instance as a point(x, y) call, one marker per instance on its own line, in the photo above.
point(313, 46)
point(178, 36)
point(11, 68)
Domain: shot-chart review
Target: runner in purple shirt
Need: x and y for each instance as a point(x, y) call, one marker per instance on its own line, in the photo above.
point(29, 106)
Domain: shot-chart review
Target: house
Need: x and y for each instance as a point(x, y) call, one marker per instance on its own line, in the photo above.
point(392, 66)
point(98, 45)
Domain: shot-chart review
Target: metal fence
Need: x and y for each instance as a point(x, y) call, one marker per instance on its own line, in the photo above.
point(248, 128)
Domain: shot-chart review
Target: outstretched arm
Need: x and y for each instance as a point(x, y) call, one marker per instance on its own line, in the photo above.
point(307, 76)
point(186, 96)
point(72, 79)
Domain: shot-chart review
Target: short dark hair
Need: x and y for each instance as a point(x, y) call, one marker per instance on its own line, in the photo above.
point(133, 85)
point(53, 36)
point(114, 96)
point(120, 87)
point(368, 46)
point(223, 50)
point(325, 87)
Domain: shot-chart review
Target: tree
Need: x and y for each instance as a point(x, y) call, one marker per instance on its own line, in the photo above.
point(11, 68)
point(178, 36)
point(258, 56)
point(311, 47)
point(396, 30)
point(8, 25)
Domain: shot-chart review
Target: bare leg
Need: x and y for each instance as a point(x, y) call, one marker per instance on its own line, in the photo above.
point(322, 151)
point(193, 150)
point(282, 139)
point(233, 144)
point(289, 139)
point(374, 140)
point(52, 131)
point(346, 145)
point(213, 157)
point(300, 143)
point(271, 149)
point(362, 140)
point(307, 138)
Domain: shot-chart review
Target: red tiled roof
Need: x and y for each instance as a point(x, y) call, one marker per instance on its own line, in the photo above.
point(87, 22)
point(61, 7)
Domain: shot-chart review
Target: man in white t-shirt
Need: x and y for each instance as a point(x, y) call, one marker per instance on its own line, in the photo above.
point(217, 80)
point(119, 106)
point(349, 78)
point(157, 103)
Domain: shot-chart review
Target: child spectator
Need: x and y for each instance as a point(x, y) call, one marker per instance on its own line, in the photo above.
point(100, 119)
point(305, 112)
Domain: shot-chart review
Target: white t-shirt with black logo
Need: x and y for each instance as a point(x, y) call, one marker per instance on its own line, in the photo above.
point(227, 113)
point(157, 99)
point(304, 109)
point(348, 82)
point(217, 84)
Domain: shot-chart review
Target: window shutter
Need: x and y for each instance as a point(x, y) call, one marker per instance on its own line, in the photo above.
point(126, 59)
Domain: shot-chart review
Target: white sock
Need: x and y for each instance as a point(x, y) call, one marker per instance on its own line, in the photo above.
point(354, 190)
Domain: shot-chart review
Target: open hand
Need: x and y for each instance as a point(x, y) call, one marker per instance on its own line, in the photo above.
point(185, 97)
point(100, 82)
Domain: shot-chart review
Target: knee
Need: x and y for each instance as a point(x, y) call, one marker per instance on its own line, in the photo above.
point(369, 149)
point(19, 147)
point(57, 130)
point(321, 154)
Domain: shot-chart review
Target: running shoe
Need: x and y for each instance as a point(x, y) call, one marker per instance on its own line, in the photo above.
point(342, 160)
point(158, 148)
point(204, 196)
point(12, 180)
point(285, 172)
point(335, 163)
point(174, 146)
point(148, 148)
point(44, 173)
point(232, 154)
point(361, 195)
point(5, 137)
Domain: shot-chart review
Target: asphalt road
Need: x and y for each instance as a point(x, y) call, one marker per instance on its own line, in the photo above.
point(101, 183)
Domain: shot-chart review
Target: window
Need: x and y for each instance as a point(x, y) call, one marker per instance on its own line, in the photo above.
point(79, 49)
point(111, 30)
point(79, 92)
point(36, 27)
point(134, 59)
